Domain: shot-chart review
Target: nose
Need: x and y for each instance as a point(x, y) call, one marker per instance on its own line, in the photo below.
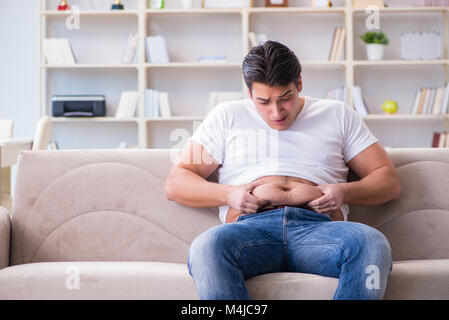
point(276, 111)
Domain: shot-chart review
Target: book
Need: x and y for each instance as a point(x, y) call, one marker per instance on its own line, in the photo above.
point(129, 52)
point(252, 39)
point(421, 101)
point(334, 41)
point(438, 103)
point(156, 49)
point(416, 101)
point(340, 94)
point(164, 105)
point(256, 39)
point(445, 106)
point(127, 105)
point(435, 139)
point(340, 44)
point(157, 104)
point(442, 140)
point(58, 51)
point(217, 97)
point(217, 58)
point(359, 102)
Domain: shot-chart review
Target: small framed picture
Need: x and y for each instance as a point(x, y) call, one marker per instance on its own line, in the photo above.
point(276, 3)
point(321, 3)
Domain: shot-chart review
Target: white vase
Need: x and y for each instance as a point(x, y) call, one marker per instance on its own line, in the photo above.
point(375, 51)
point(187, 4)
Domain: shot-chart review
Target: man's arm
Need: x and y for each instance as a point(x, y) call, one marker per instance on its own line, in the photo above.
point(186, 184)
point(379, 182)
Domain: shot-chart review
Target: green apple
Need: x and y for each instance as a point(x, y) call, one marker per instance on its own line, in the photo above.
point(390, 106)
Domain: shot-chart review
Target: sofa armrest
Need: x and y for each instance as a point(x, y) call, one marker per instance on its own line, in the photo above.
point(5, 233)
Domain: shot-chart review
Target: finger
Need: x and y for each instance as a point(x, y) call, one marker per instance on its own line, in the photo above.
point(257, 201)
point(328, 204)
point(249, 208)
point(327, 210)
point(253, 185)
point(320, 201)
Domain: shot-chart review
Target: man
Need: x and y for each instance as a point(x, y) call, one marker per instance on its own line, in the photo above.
point(282, 211)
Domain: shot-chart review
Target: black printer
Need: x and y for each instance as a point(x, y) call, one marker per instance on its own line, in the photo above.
point(79, 106)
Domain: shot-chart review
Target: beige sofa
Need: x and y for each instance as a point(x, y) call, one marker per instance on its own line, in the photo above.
point(96, 224)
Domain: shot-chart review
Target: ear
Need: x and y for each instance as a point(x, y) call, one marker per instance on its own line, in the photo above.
point(299, 84)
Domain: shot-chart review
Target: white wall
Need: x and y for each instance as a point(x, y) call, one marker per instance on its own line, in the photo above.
point(18, 65)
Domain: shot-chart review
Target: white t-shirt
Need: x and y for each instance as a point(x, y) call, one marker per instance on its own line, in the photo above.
point(325, 135)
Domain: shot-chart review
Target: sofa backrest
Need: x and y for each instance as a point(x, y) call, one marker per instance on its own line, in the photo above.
point(110, 205)
point(417, 223)
point(100, 205)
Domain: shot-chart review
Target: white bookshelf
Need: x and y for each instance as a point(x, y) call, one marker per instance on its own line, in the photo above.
point(99, 43)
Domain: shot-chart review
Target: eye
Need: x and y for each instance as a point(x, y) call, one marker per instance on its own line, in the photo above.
point(285, 99)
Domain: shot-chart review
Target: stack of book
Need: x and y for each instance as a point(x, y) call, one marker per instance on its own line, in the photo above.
point(359, 101)
point(337, 46)
point(217, 97)
point(156, 104)
point(129, 54)
point(340, 94)
point(128, 104)
point(208, 59)
point(256, 38)
point(157, 49)
point(431, 101)
point(440, 140)
point(58, 51)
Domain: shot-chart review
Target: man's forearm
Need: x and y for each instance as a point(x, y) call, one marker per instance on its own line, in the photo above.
point(380, 186)
point(192, 190)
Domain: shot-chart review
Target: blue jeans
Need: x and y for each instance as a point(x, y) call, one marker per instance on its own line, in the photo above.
point(290, 240)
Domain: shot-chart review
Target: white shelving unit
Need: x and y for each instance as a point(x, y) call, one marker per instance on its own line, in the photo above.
point(100, 41)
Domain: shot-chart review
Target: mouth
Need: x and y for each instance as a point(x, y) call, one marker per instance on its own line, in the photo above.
point(280, 121)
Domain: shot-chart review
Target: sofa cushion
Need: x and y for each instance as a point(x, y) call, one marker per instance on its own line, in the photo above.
point(419, 280)
point(97, 280)
point(414, 279)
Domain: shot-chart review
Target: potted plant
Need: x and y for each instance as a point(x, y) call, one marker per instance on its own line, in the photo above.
point(375, 42)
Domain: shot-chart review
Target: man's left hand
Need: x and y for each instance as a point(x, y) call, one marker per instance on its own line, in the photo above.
point(331, 200)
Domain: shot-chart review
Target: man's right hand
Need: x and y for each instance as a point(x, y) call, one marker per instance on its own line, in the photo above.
point(242, 200)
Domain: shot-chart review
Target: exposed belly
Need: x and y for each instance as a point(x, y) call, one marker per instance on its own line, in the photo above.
point(283, 190)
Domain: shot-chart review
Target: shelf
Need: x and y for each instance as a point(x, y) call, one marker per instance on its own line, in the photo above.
point(406, 9)
point(194, 65)
point(399, 62)
point(298, 10)
point(405, 117)
point(193, 11)
point(93, 119)
point(233, 24)
point(324, 63)
point(111, 13)
point(176, 118)
point(89, 66)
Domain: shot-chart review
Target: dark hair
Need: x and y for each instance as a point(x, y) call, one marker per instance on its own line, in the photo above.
point(272, 64)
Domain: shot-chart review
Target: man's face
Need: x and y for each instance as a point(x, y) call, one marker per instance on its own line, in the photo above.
point(278, 106)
